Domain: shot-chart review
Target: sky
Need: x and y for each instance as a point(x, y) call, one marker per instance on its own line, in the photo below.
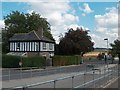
point(100, 18)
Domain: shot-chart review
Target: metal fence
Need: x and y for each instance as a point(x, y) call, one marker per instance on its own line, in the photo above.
point(96, 78)
point(19, 73)
point(22, 73)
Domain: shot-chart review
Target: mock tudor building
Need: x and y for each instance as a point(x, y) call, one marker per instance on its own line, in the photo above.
point(32, 43)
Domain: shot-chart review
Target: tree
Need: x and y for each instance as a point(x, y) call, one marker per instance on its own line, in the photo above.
point(17, 22)
point(116, 48)
point(75, 42)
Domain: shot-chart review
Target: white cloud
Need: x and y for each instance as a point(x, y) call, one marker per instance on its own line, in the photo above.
point(34, 0)
point(83, 14)
point(2, 25)
point(106, 27)
point(86, 9)
point(70, 18)
point(101, 29)
point(56, 14)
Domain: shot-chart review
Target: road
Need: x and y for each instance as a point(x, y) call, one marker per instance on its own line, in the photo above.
point(66, 83)
point(11, 74)
point(106, 74)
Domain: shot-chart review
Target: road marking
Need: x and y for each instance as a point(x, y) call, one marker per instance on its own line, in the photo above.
point(112, 81)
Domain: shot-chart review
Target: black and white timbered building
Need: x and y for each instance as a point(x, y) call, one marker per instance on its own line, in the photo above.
point(32, 43)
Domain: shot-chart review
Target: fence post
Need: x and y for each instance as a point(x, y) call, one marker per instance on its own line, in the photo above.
point(93, 79)
point(21, 72)
point(99, 76)
point(55, 84)
point(111, 73)
point(114, 72)
point(108, 74)
point(104, 75)
point(9, 74)
point(72, 82)
point(31, 71)
point(24, 87)
point(84, 79)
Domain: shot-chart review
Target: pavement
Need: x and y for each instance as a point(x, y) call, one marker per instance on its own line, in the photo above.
point(27, 81)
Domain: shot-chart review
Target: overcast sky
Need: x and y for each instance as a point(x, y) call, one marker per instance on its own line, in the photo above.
point(101, 18)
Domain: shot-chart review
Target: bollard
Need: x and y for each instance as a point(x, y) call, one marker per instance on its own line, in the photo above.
point(72, 82)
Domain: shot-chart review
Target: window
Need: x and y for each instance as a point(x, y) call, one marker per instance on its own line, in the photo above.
point(18, 45)
point(37, 46)
point(50, 46)
point(44, 46)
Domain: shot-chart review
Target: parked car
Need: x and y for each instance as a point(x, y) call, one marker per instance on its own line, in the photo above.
point(116, 58)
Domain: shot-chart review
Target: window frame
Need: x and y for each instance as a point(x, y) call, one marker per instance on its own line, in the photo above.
point(44, 45)
point(50, 46)
point(17, 45)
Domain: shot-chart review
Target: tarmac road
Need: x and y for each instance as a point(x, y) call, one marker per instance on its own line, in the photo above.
point(11, 74)
point(66, 83)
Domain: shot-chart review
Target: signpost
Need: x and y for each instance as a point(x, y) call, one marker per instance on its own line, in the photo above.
point(20, 64)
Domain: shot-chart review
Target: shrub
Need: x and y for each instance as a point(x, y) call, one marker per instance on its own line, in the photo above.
point(66, 60)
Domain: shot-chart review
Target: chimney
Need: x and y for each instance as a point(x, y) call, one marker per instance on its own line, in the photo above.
point(40, 32)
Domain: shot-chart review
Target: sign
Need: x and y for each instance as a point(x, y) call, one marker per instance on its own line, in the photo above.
point(20, 63)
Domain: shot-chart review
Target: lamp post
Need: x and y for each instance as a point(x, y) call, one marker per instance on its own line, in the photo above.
point(106, 39)
point(106, 50)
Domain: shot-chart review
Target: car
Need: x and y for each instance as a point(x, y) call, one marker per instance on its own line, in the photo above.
point(116, 58)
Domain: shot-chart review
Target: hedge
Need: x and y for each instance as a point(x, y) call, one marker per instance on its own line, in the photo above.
point(9, 61)
point(34, 62)
point(66, 60)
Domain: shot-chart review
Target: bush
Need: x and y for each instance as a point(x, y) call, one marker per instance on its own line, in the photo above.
point(66, 60)
point(9, 61)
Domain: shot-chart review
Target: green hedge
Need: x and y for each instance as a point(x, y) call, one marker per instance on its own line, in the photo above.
point(34, 62)
point(66, 60)
point(9, 61)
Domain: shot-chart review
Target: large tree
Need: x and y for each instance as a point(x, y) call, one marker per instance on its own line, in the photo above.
point(116, 48)
point(75, 42)
point(17, 22)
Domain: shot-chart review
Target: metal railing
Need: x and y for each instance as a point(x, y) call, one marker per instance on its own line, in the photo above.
point(21, 73)
point(97, 78)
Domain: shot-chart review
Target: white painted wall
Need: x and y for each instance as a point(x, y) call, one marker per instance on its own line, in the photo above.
point(30, 44)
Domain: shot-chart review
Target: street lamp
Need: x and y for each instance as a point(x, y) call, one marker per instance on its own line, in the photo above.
point(107, 42)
